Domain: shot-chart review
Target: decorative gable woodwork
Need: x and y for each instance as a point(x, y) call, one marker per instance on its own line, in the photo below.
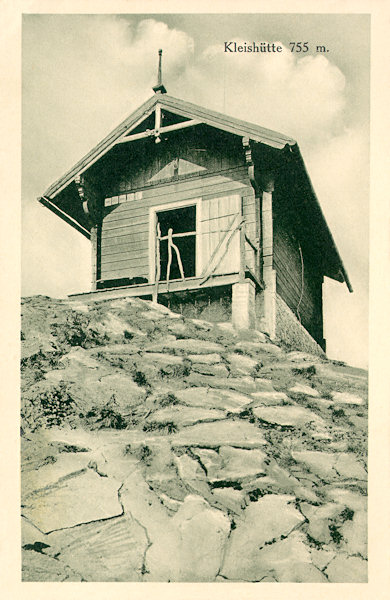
point(176, 168)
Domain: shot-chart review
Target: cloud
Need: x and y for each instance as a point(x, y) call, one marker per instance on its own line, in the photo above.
point(302, 97)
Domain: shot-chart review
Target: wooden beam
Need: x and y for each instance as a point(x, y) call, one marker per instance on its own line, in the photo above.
point(157, 118)
point(178, 126)
point(60, 213)
point(146, 289)
point(155, 132)
point(99, 151)
point(269, 274)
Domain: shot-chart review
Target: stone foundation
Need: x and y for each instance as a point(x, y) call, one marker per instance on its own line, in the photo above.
point(290, 331)
point(211, 304)
point(243, 305)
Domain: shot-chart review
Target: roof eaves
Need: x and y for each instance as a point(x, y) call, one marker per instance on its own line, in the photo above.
point(187, 109)
point(101, 147)
point(297, 153)
point(238, 126)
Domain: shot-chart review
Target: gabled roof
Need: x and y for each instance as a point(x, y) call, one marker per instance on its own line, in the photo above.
point(191, 114)
point(182, 108)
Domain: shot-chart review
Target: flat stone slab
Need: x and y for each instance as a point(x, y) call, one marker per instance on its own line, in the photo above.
point(306, 390)
point(320, 518)
point(102, 381)
point(342, 374)
point(217, 370)
point(202, 535)
point(298, 356)
point(81, 498)
point(258, 347)
point(206, 359)
point(320, 463)
point(351, 499)
point(327, 465)
point(321, 557)
point(349, 467)
point(288, 416)
point(289, 561)
point(347, 569)
point(163, 359)
point(31, 534)
point(241, 364)
point(262, 522)
point(116, 349)
point(230, 498)
point(228, 400)
point(182, 416)
point(245, 385)
point(105, 551)
point(189, 468)
point(48, 474)
point(221, 433)
point(269, 398)
point(237, 464)
point(39, 567)
point(354, 534)
point(187, 346)
point(120, 386)
point(346, 398)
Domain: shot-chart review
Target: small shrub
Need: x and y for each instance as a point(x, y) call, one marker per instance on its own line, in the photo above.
point(347, 514)
point(255, 494)
point(140, 379)
point(226, 484)
point(108, 418)
point(167, 426)
point(307, 372)
point(55, 405)
point(337, 413)
point(335, 534)
point(145, 455)
point(168, 400)
point(256, 371)
point(313, 542)
point(77, 331)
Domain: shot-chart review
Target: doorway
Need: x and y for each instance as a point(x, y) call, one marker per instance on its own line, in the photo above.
point(176, 243)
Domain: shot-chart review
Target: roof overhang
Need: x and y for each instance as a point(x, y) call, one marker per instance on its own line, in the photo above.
point(187, 110)
point(191, 115)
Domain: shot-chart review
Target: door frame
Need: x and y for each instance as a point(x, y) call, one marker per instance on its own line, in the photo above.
point(153, 210)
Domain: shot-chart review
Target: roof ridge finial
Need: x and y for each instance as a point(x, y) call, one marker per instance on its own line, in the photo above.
point(159, 88)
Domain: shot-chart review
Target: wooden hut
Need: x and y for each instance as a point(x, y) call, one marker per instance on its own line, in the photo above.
point(206, 213)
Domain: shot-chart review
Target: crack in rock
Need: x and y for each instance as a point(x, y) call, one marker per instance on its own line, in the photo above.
point(149, 543)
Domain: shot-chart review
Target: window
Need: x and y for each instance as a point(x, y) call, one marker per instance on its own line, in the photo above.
point(176, 243)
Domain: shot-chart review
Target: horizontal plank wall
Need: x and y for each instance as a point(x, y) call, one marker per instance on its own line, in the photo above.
point(195, 163)
point(125, 228)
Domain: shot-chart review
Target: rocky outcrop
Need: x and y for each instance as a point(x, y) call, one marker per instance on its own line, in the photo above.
point(158, 448)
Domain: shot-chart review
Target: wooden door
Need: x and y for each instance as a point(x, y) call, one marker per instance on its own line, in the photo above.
point(220, 235)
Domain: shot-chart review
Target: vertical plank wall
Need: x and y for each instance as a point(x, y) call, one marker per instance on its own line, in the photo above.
point(303, 295)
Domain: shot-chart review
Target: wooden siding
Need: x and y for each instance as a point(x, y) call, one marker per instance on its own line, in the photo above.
point(125, 228)
point(143, 163)
point(303, 298)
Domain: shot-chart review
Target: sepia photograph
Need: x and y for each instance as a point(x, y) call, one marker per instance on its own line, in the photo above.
point(195, 270)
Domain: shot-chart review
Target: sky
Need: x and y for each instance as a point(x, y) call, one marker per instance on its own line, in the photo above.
point(82, 75)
